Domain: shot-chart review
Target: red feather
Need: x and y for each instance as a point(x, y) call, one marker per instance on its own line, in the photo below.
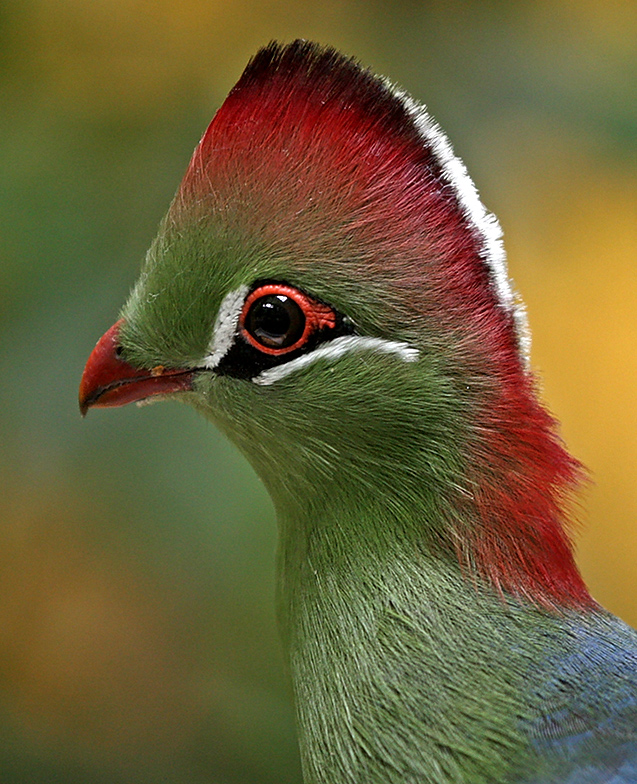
point(322, 155)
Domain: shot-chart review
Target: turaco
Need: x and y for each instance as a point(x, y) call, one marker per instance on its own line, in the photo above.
point(328, 288)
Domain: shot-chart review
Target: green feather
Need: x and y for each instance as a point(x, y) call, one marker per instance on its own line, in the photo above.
point(411, 662)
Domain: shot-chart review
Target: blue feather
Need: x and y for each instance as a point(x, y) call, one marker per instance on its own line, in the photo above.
point(586, 729)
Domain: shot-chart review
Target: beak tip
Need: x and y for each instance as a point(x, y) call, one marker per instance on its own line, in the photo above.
point(109, 381)
point(101, 363)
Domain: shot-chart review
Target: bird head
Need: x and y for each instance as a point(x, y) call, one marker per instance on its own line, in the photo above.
point(328, 288)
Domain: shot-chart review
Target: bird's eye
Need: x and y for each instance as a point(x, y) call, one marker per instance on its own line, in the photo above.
point(275, 321)
point(277, 318)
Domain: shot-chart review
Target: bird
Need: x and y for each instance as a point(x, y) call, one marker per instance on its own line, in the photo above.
point(328, 288)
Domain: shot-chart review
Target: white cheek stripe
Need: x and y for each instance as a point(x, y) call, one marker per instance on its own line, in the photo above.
point(335, 349)
point(225, 327)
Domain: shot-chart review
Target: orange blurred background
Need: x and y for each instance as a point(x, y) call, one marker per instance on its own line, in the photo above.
point(137, 631)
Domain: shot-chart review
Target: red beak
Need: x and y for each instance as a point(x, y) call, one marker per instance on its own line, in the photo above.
point(109, 381)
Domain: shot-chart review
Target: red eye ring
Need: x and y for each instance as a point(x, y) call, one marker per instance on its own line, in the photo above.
point(316, 316)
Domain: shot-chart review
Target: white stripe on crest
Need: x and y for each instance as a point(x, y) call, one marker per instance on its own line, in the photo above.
point(486, 223)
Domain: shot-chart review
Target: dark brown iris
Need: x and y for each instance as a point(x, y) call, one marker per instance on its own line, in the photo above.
point(275, 321)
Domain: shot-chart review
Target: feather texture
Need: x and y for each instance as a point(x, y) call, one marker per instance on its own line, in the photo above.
point(436, 625)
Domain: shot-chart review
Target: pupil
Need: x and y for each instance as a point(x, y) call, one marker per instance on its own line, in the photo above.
point(275, 321)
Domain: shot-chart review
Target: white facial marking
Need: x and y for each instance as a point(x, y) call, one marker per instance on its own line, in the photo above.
point(474, 210)
point(225, 327)
point(335, 349)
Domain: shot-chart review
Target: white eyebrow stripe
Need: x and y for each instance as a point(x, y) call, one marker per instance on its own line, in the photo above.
point(333, 350)
point(225, 328)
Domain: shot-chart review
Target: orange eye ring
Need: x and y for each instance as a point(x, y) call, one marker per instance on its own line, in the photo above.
point(298, 318)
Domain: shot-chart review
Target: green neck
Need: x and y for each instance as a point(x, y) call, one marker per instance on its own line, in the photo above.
point(403, 671)
point(407, 666)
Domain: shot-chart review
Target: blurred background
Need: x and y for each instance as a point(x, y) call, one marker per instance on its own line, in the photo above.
point(137, 629)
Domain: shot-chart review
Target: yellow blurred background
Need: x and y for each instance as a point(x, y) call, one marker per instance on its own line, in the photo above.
point(137, 631)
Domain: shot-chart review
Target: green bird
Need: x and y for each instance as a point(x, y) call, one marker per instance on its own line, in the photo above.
point(329, 290)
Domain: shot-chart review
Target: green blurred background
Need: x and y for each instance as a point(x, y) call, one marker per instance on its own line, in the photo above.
point(137, 630)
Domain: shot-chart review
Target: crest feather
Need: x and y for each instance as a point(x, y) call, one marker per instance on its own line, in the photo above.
point(303, 105)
